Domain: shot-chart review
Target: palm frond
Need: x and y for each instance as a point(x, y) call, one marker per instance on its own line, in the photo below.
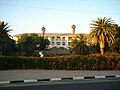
point(103, 29)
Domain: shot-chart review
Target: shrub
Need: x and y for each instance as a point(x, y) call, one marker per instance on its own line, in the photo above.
point(75, 62)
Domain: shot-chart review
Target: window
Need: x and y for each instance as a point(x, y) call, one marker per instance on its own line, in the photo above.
point(58, 38)
point(69, 38)
point(69, 43)
point(53, 43)
point(53, 38)
point(63, 43)
point(58, 43)
point(63, 38)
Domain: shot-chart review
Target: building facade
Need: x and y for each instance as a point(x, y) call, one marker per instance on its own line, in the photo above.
point(57, 39)
point(60, 40)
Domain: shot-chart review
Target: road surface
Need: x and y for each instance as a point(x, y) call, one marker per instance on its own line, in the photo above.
point(89, 84)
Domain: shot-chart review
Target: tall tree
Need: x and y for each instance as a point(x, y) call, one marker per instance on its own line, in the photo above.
point(73, 30)
point(103, 30)
point(4, 36)
point(43, 31)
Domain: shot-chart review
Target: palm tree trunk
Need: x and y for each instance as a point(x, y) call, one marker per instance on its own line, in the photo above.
point(43, 31)
point(73, 33)
point(102, 47)
point(43, 34)
point(102, 51)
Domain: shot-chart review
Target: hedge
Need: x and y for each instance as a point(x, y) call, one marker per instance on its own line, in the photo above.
point(75, 62)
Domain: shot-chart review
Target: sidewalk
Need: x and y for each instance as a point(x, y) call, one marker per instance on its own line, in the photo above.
point(13, 75)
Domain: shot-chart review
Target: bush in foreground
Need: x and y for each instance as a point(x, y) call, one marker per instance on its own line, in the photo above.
point(75, 62)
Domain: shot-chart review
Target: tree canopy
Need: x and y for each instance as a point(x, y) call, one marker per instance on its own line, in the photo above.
point(116, 44)
point(6, 43)
point(29, 43)
point(103, 30)
point(79, 45)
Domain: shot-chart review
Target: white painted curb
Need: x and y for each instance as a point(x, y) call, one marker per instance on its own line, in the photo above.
point(30, 80)
point(97, 77)
point(5, 82)
point(117, 76)
point(58, 79)
point(78, 78)
point(55, 79)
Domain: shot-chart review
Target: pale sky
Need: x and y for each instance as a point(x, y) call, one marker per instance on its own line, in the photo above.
point(57, 16)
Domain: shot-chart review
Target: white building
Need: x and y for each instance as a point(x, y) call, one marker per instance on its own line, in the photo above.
point(56, 39)
point(59, 40)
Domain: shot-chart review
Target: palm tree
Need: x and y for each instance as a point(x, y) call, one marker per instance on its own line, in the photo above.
point(4, 36)
point(79, 44)
point(103, 30)
point(73, 30)
point(43, 31)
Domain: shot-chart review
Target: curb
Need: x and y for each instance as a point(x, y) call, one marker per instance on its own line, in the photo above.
point(59, 79)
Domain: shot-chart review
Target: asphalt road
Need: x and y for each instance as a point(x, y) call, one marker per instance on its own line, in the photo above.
point(93, 84)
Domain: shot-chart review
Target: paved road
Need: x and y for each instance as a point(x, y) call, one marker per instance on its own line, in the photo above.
point(99, 84)
point(8, 75)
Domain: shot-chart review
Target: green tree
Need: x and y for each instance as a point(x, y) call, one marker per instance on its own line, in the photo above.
point(26, 44)
point(116, 44)
point(103, 30)
point(5, 38)
point(79, 45)
point(11, 48)
point(94, 48)
point(36, 39)
point(42, 43)
point(117, 30)
point(29, 43)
